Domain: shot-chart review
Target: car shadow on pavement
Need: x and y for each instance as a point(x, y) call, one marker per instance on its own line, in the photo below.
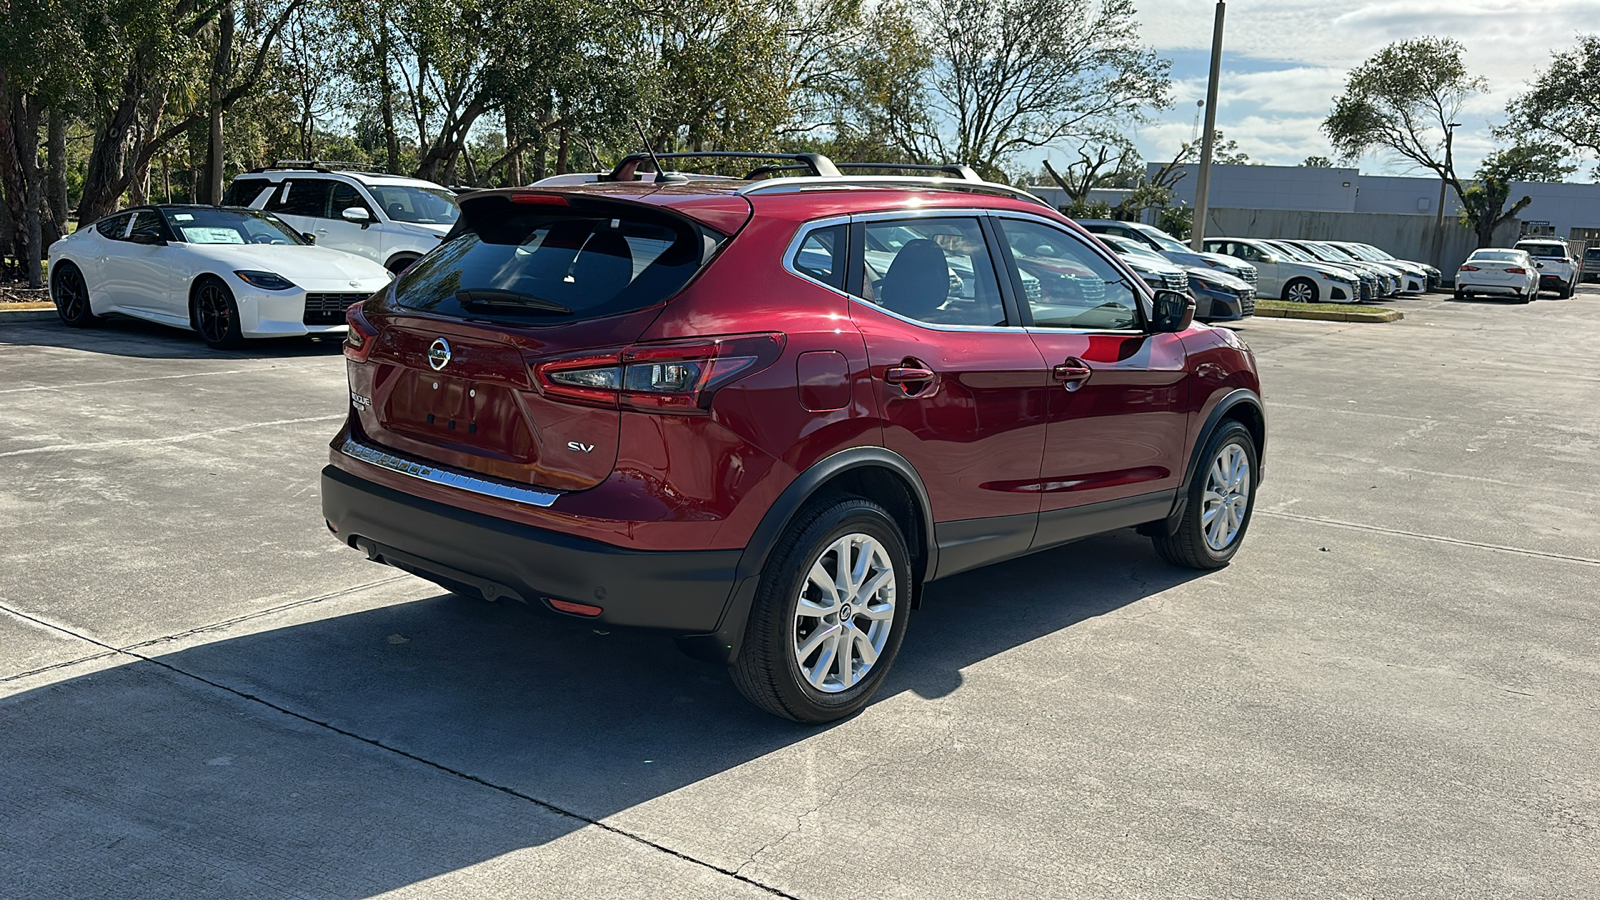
point(146, 340)
point(368, 751)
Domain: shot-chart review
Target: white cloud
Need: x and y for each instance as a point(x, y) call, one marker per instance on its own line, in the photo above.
point(1285, 60)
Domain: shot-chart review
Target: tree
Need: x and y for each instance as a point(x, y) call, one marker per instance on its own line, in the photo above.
point(1483, 206)
point(1563, 101)
point(1403, 100)
point(1317, 162)
point(1012, 75)
point(1111, 155)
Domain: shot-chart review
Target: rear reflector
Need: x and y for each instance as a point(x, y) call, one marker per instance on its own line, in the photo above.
point(577, 609)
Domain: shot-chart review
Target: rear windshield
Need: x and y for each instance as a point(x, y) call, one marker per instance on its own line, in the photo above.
point(1496, 256)
point(1553, 251)
point(546, 265)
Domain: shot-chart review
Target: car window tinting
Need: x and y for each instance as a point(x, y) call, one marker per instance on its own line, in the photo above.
point(148, 224)
point(821, 256)
point(244, 191)
point(932, 270)
point(114, 226)
point(201, 225)
point(1077, 288)
point(346, 197)
point(301, 197)
point(545, 267)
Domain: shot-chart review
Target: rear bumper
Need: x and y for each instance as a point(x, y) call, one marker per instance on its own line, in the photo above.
point(678, 591)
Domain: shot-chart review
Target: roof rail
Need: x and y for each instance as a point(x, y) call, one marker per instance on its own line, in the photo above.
point(957, 171)
point(815, 163)
point(786, 185)
point(323, 165)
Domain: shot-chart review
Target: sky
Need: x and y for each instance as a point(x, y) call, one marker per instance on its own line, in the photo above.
point(1285, 60)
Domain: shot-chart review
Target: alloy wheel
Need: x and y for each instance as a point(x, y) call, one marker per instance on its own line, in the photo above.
point(845, 613)
point(1227, 496)
point(1300, 292)
point(71, 295)
point(214, 312)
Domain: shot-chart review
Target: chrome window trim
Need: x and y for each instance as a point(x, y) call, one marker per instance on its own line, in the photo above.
point(446, 477)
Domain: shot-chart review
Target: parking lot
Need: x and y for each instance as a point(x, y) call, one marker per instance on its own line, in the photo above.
point(1392, 692)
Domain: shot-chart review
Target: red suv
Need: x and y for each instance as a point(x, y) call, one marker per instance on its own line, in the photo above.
point(762, 413)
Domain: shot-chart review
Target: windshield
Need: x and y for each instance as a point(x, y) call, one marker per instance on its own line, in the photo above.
point(1545, 251)
point(1360, 252)
point(1295, 253)
point(1340, 253)
point(1124, 247)
point(1166, 241)
point(201, 225)
point(1375, 253)
point(417, 205)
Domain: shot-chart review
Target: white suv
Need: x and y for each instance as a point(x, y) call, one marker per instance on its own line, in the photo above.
point(386, 218)
point(1558, 268)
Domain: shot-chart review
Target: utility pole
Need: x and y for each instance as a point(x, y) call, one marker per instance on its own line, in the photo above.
point(1202, 185)
point(1438, 216)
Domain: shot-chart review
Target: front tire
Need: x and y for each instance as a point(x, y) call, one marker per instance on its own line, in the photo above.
point(1300, 290)
point(71, 295)
point(829, 615)
point(1219, 505)
point(216, 315)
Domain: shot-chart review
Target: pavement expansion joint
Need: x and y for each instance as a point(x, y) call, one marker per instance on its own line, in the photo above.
point(441, 767)
point(1499, 548)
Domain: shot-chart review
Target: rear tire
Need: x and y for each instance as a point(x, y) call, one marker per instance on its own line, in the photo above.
point(1460, 294)
point(216, 315)
point(1300, 290)
point(1566, 291)
point(829, 615)
point(1220, 502)
point(71, 295)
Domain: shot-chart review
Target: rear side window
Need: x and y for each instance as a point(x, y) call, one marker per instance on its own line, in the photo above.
point(821, 256)
point(301, 197)
point(931, 270)
point(541, 265)
point(244, 191)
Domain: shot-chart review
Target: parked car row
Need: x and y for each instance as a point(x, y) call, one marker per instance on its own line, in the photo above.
point(1520, 272)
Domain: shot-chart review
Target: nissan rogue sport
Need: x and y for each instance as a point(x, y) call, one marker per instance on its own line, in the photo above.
point(761, 414)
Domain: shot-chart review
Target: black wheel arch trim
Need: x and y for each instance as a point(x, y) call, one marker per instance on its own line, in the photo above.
point(1230, 401)
point(722, 645)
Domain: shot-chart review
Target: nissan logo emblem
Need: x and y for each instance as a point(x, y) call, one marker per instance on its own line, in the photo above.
point(439, 354)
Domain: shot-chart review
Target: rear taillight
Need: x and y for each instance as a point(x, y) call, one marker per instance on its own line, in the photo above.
point(677, 377)
point(359, 339)
point(1516, 270)
point(1469, 268)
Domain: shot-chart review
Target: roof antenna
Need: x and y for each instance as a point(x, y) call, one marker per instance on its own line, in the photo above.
point(661, 174)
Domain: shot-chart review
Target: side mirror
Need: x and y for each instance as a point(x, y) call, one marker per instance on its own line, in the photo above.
point(1538, 265)
point(1268, 258)
point(1174, 312)
point(308, 237)
point(357, 214)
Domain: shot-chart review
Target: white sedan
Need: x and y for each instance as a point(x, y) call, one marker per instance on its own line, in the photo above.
point(1498, 271)
point(1281, 275)
point(227, 273)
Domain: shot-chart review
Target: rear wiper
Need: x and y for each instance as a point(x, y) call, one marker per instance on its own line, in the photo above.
point(491, 297)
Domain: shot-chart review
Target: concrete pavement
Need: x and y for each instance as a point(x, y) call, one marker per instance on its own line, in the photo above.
point(1391, 692)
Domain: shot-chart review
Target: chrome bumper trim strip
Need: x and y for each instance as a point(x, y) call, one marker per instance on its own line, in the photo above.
point(446, 477)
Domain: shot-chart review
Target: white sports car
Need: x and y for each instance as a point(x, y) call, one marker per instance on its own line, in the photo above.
point(227, 273)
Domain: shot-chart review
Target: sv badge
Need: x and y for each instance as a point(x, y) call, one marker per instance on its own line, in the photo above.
point(580, 447)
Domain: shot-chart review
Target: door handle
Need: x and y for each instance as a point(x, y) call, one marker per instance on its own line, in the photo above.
point(912, 375)
point(1072, 374)
point(907, 375)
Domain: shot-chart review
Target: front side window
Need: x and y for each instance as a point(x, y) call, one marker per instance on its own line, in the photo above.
point(1076, 287)
point(301, 197)
point(933, 270)
point(114, 227)
point(147, 223)
point(346, 197)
